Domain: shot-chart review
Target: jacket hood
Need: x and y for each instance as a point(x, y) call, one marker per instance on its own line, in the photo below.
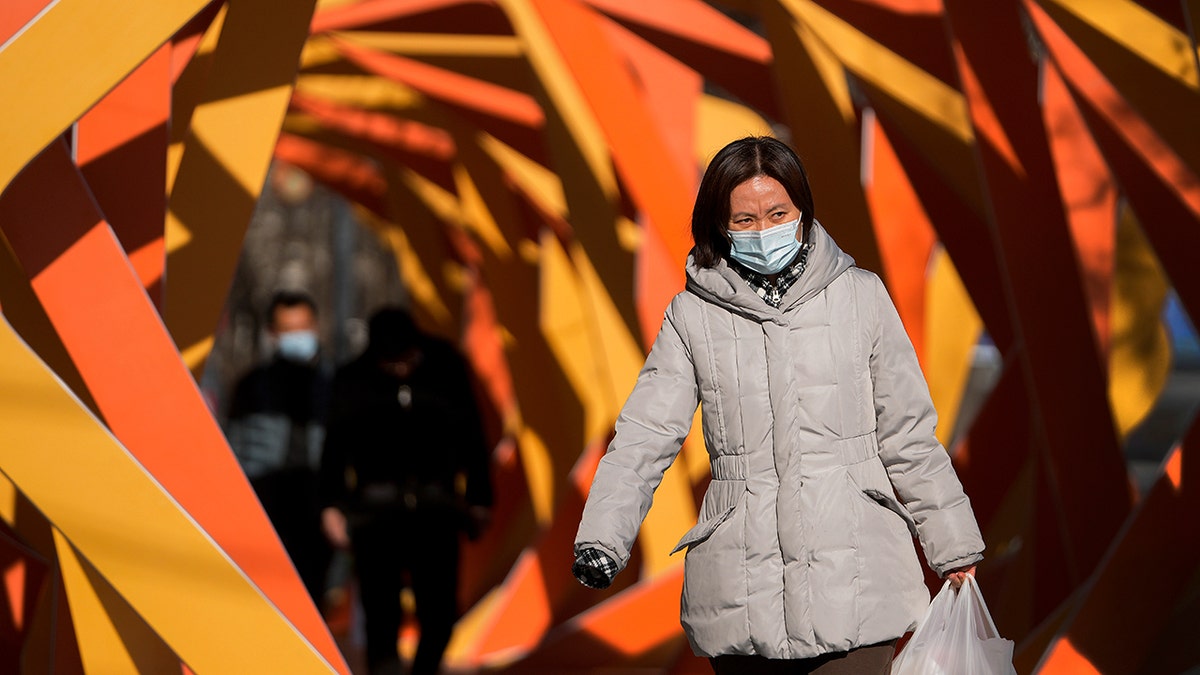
point(723, 286)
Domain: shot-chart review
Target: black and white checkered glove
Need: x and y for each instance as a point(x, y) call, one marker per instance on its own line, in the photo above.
point(594, 569)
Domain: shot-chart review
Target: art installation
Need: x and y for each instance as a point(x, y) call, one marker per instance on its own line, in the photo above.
point(1022, 173)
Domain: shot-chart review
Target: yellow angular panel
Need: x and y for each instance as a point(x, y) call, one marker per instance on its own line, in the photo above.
point(118, 517)
point(539, 474)
point(695, 453)
point(361, 91)
point(671, 514)
point(826, 59)
point(564, 323)
point(416, 278)
point(112, 638)
point(440, 203)
point(1140, 357)
point(537, 181)
point(719, 121)
point(601, 359)
point(319, 51)
point(617, 353)
point(472, 625)
point(225, 160)
point(476, 216)
point(815, 96)
point(186, 94)
point(932, 114)
point(303, 124)
point(70, 57)
point(435, 44)
point(425, 235)
point(563, 92)
point(874, 63)
point(1119, 45)
point(1141, 32)
point(952, 329)
point(618, 359)
point(8, 500)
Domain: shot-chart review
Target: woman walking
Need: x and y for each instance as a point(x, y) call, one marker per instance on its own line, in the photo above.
point(820, 432)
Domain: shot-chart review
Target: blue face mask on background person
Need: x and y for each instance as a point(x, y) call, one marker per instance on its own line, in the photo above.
point(298, 345)
point(766, 251)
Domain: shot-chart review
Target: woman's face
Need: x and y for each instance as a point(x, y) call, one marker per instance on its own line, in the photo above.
point(758, 203)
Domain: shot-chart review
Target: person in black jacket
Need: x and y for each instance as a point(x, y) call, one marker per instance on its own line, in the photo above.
point(275, 428)
point(404, 472)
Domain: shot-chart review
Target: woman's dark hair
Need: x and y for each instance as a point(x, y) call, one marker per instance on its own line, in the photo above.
point(736, 163)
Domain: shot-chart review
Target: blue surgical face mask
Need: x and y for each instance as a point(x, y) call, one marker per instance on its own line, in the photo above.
point(766, 251)
point(298, 345)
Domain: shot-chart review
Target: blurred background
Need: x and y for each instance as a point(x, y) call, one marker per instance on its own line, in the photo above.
point(520, 173)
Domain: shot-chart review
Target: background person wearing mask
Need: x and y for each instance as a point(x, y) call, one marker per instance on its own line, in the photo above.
point(404, 473)
point(820, 432)
point(275, 428)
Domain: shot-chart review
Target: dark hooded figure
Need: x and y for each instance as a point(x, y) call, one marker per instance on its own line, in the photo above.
point(405, 473)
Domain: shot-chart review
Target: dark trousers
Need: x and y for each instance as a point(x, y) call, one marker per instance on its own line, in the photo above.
point(418, 550)
point(289, 497)
point(869, 660)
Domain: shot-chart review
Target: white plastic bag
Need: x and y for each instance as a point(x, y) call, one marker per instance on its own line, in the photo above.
point(956, 637)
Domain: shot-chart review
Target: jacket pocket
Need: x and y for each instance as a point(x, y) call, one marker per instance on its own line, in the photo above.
point(892, 504)
point(703, 530)
point(887, 501)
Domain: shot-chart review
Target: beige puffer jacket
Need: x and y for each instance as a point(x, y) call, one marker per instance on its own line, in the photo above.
point(816, 418)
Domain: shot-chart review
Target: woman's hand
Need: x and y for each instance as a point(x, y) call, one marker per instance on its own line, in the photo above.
point(958, 576)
